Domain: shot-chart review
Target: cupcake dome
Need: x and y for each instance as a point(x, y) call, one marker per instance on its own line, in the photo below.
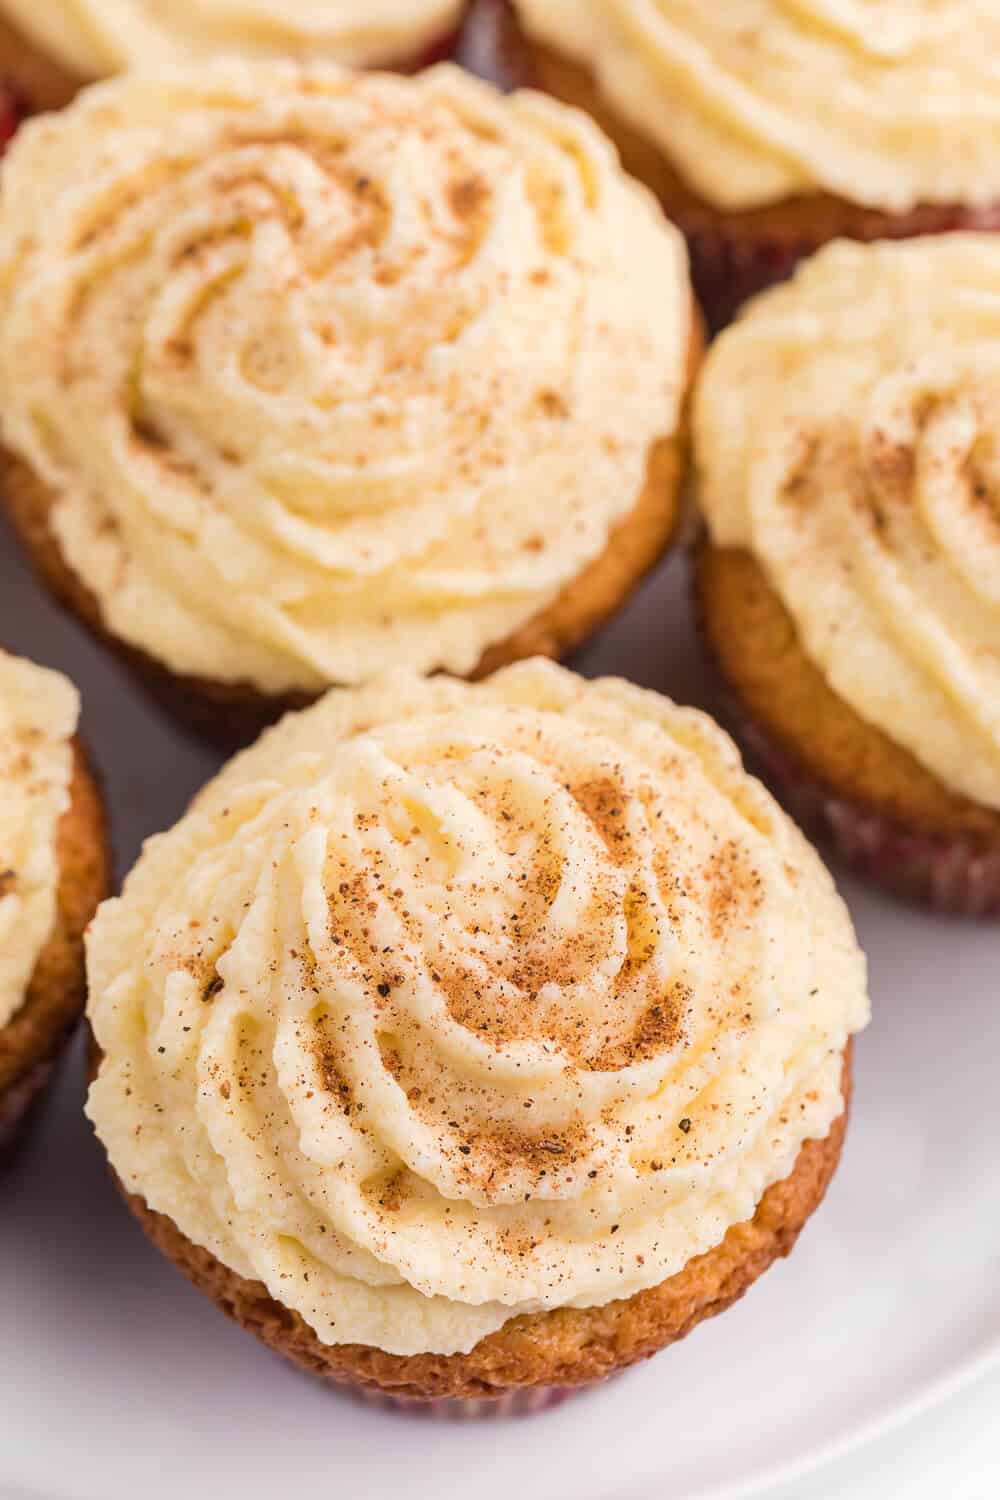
point(325, 373)
point(447, 1004)
point(848, 437)
point(91, 38)
point(848, 471)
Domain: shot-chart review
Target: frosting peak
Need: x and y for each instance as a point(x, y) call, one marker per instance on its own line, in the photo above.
point(332, 372)
point(447, 1003)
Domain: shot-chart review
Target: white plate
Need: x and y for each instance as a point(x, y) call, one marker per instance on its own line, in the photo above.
point(117, 1379)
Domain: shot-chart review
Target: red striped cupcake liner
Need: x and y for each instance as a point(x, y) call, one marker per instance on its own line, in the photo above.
point(955, 876)
point(525, 1402)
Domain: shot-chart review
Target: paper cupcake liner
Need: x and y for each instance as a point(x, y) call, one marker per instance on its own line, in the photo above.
point(516, 1403)
point(952, 875)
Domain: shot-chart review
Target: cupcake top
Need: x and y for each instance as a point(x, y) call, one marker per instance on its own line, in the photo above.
point(331, 372)
point(96, 37)
point(446, 1003)
point(38, 717)
point(888, 105)
point(848, 435)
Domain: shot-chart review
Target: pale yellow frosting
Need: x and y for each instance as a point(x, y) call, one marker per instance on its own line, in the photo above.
point(848, 434)
point(446, 1003)
point(38, 716)
point(331, 372)
point(96, 37)
point(888, 103)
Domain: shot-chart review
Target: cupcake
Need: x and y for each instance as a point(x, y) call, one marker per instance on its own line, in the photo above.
point(53, 872)
point(316, 374)
point(471, 1042)
point(50, 50)
point(848, 452)
point(768, 127)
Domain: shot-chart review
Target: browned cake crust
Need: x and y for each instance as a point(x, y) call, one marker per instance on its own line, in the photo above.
point(753, 640)
point(231, 713)
point(32, 1042)
point(734, 254)
point(566, 1348)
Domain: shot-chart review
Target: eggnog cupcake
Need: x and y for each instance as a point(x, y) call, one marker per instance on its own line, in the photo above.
point(49, 49)
point(768, 127)
point(472, 1042)
point(314, 374)
point(848, 434)
point(53, 872)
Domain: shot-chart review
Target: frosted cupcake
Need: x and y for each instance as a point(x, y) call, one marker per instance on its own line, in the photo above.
point(768, 127)
point(314, 374)
point(50, 50)
point(472, 1042)
point(53, 872)
point(848, 433)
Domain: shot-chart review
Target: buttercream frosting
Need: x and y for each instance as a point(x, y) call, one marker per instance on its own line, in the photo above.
point(848, 435)
point(38, 716)
point(888, 104)
point(446, 1003)
point(331, 372)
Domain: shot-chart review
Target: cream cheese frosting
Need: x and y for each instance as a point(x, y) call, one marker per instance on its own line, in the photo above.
point(446, 1003)
point(38, 717)
point(848, 435)
point(93, 38)
point(888, 104)
point(331, 372)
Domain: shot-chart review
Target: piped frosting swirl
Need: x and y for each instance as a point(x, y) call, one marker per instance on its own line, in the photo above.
point(331, 372)
point(446, 1003)
point(888, 104)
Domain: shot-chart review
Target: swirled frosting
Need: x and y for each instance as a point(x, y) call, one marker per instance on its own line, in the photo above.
point(38, 716)
point(848, 434)
point(96, 37)
point(888, 103)
point(331, 372)
point(451, 1002)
